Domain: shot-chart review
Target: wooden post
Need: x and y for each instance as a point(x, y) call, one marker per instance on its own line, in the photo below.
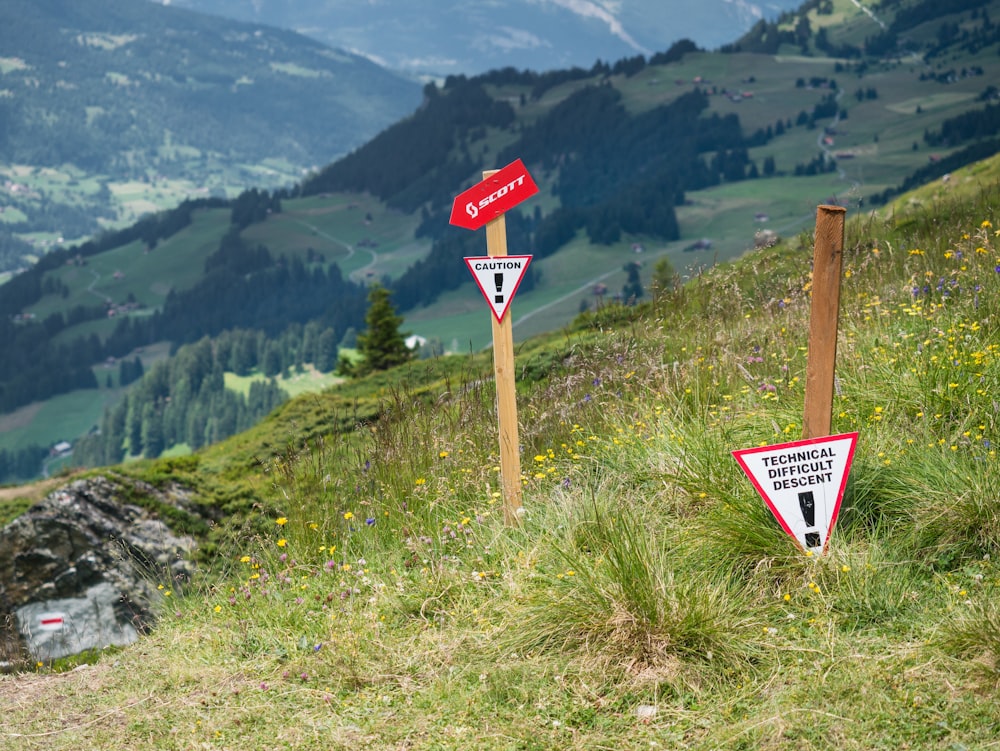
point(503, 368)
point(828, 256)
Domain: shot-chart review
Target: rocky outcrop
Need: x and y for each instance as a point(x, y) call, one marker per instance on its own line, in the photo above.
point(83, 568)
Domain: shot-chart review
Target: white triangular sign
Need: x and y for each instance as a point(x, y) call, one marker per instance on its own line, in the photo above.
point(498, 278)
point(803, 483)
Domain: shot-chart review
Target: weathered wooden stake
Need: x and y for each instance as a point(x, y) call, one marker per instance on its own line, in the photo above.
point(828, 257)
point(503, 368)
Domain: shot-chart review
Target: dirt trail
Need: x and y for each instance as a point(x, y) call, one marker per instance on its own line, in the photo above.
point(33, 491)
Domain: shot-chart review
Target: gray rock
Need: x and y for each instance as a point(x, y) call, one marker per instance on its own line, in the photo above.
point(56, 628)
point(81, 569)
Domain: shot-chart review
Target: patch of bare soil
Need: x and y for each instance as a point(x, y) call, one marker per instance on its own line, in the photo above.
point(19, 418)
point(35, 491)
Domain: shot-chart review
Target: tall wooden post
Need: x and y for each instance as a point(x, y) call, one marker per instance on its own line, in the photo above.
point(828, 257)
point(503, 368)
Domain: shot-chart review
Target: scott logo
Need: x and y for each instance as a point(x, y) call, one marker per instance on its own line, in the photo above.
point(473, 210)
point(493, 197)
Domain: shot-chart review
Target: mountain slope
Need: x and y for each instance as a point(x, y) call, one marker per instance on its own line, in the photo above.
point(370, 595)
point(100, 98)
point(676, 163)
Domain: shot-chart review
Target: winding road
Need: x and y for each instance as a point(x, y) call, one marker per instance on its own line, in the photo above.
point(351, 250)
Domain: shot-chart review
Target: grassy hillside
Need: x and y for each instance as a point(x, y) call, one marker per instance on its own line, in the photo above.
point(371, 595)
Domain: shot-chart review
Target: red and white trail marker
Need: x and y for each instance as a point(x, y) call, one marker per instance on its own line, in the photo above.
point(498, 278)
point(803, 483)
point(51, 621)
point(493, 197)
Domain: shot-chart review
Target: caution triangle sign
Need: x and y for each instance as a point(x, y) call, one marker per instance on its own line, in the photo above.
point(498, 278)
point(803, 483)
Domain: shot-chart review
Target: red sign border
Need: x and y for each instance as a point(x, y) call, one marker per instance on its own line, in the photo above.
point(486, 296)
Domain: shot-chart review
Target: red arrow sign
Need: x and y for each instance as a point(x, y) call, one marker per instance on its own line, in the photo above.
point(495, 195)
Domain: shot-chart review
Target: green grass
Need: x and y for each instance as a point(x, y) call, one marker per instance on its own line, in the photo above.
point(148, 275)
point(366, 590)
point(359, 233)
point(61, 418)
point(296, 384)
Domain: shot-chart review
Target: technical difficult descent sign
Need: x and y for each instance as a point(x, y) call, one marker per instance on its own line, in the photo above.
point(494, 196)
point(803, 483)
point(498, 278)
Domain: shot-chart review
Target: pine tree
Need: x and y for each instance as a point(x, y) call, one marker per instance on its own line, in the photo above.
point(632, 290)
point(152, 431)
point(326, 351)
point(381, 344)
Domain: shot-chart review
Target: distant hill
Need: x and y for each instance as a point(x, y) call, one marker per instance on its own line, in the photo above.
point(446, 37)
point(645, 165)
point(103, 101)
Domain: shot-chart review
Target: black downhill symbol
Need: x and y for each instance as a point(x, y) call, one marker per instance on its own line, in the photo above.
point(808, 506)
point(498, 281)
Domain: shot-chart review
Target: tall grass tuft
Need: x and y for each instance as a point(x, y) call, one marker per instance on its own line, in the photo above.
point(974, 635)
point(868, 584)
point(941, 504)
point(611, 589)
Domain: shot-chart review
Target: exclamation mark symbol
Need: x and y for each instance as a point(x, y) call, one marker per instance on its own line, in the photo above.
point(498, 281)
point(808, 506)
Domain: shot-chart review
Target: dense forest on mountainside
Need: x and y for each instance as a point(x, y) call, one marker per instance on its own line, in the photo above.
point(285, 294)
point(617, 172)
point(411, 163)
point(299, 317)
point(184, 401)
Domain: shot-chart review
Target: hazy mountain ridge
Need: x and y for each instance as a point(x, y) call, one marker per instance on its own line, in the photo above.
point(433, 37)
point(102, 47)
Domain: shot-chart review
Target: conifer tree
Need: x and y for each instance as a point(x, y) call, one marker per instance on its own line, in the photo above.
point(382, 346)
point(632, 290)
point(326, 351)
